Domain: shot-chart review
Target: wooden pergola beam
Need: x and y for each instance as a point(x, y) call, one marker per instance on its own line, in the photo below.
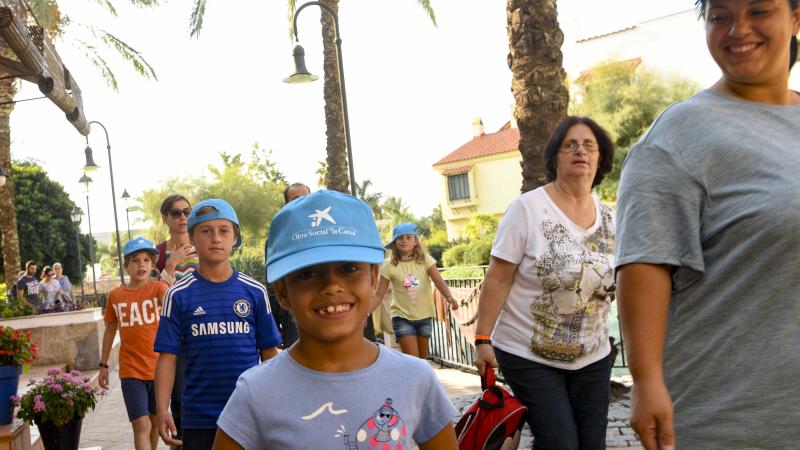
point(42, 66)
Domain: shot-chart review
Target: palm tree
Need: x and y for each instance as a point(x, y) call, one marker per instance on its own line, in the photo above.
point(87, 37)
point(373, 199)
point(338, 178)
point(535, 60)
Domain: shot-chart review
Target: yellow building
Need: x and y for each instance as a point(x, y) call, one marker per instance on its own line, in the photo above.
point(482, 176)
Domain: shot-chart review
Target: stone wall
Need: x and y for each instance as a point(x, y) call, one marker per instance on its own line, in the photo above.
point(73, 337)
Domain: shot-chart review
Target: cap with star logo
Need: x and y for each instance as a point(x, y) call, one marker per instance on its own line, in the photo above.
point(139, 243)
point(326, 226)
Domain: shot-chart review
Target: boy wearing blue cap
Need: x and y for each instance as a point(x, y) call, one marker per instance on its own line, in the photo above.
point(133, 309)
point(338, 390)
point(222, 319)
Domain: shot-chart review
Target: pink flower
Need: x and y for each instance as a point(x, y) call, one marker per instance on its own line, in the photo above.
point(15, 400)
point(53, 371)
point(57, 388)
point(38, 407)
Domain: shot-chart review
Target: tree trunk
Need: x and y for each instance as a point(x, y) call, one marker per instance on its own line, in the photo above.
point(8, 216)
point(338, 178)
point(535, 60)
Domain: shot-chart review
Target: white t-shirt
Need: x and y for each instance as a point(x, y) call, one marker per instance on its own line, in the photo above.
point(556, 312)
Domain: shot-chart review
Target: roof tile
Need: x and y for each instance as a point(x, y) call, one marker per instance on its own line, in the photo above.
point(505, 140)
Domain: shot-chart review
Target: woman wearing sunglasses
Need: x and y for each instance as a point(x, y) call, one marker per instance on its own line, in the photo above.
point(176, 259)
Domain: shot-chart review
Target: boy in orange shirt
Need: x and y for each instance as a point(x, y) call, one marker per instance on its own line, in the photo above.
point(134, 309)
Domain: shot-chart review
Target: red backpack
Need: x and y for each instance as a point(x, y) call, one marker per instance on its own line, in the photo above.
point(494, 422)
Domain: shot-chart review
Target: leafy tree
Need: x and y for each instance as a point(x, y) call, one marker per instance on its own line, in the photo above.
point(373, 199)
point(322, 173)
point(60, 28)
point(44, 222)
point(254, 189)
point(625, 100)
point(479, 226)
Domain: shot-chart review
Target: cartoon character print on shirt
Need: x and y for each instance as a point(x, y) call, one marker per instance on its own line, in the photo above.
point(385, 430)
point(577, 287)
point(411, 283)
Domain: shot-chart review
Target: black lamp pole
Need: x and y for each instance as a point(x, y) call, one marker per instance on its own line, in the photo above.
point(76, 219)
point(86, 181)
point(126, 198)
point(302, 76)
point(90, 163)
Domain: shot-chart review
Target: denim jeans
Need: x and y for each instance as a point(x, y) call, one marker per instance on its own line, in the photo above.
point(567, 409)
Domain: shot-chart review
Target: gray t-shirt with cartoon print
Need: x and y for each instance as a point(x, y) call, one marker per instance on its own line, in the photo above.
point(280, 404)
point(713, 189)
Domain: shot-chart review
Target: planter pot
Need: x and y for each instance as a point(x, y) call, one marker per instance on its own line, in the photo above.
point(65, 437)
point(9, 380)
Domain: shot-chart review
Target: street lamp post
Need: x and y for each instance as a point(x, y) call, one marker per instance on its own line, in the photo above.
point(76, 219)
point(87, 182)
point(127, 198)
point(301, 75)
point(90, 165)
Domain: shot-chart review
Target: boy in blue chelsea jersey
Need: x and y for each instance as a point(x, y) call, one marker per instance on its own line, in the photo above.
point(222, 319)
point(337, 389)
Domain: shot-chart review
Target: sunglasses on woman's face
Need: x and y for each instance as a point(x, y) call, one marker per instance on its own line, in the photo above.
point(49, 274)
point(175, 213)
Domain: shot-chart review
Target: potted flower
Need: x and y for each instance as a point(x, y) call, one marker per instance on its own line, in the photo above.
point(16, 349)
point(57, 405)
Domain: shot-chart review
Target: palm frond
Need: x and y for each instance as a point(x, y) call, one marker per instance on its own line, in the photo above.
point(144, 3)
point(91, 53)
point(108, 6)
point(128, 53)
point(426, 6)
point(291, 7)
point(44, 13)
point(196, 19)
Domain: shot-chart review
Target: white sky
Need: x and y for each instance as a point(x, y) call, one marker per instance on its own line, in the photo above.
point(413, 90)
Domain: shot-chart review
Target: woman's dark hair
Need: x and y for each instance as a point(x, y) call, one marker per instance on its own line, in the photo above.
point(605, 162)
point(166, 205)
point(701, 5)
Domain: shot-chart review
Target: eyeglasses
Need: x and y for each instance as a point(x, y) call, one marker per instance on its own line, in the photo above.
point(49, 274)
point(573, 147)
point(175, 213)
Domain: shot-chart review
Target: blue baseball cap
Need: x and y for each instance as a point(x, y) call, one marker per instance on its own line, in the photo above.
point(326, 226)
point(401, 229)
point(224, 211)
point(139, 243)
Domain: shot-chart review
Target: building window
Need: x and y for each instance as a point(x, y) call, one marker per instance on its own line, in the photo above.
point(458, 186)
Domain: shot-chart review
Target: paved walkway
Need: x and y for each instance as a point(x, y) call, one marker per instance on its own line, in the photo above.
point(108, 425)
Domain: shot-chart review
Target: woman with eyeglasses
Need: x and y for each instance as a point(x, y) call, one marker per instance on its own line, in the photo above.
point(708, 252)
point(543, 309)
point(177, 258)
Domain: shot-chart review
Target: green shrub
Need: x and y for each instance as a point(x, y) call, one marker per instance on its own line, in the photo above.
point(478, 252)
point(250, 263)
point(454, 256)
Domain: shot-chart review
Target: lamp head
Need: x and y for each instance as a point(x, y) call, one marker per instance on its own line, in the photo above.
point(90, 165)
point(301, 74)
point(86, 182)
point(125, 195)
point(76, 215)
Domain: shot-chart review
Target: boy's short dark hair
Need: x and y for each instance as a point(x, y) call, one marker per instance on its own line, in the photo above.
point(293, 185)
point(127, 258)
point(29, 263)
